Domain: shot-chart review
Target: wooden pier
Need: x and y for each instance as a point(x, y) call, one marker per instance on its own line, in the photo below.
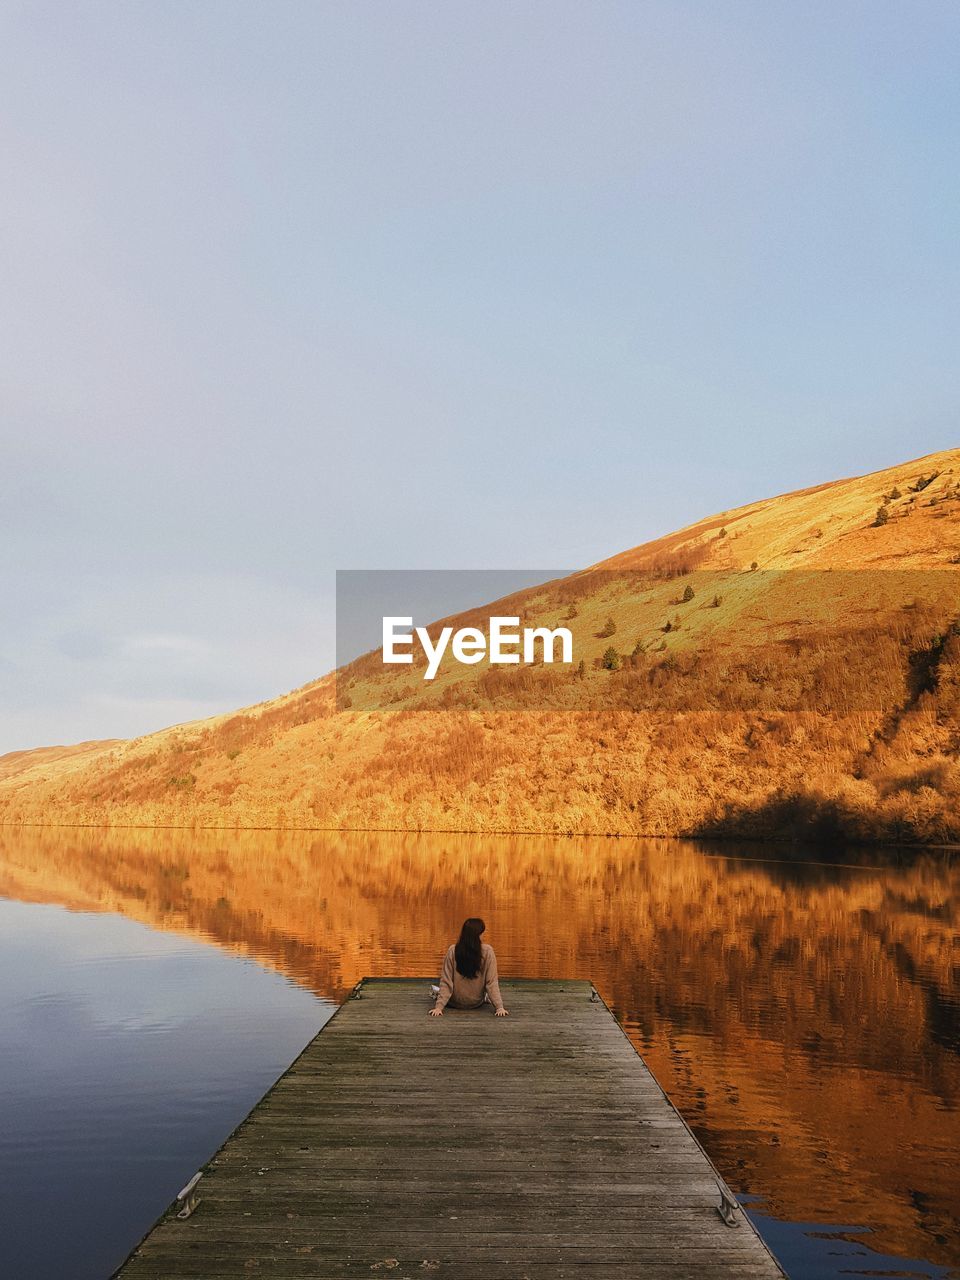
point(467, 1147)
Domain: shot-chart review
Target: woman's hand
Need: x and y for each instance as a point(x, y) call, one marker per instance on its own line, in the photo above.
point(501, 1013)
point(436, 1013)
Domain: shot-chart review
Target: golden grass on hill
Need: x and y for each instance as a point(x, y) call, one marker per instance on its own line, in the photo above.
point(790, 668)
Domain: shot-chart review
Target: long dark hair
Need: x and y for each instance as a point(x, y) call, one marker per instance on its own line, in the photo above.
point(467, 952)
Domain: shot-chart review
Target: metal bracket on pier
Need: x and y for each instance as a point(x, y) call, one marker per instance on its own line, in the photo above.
point(189, 1197)
point(594, 995)
point(728, 1208)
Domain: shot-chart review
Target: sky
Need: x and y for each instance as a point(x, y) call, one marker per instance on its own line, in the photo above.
point(299, 287)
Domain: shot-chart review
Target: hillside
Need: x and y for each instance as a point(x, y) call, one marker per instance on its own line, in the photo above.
point(788, 668)
point(53, 759)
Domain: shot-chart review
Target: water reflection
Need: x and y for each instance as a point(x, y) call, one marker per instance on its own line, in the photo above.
point(125, 1056)
point(803, 1016)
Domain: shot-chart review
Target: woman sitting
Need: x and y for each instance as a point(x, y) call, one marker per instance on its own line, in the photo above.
point(469, 975)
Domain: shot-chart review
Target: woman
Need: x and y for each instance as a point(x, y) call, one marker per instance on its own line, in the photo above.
point(469, 975)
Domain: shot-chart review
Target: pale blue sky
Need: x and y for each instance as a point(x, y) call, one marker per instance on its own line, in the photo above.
point(293, 287)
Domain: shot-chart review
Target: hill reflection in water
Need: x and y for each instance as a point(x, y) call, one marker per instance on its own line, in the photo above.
point(803, 1016)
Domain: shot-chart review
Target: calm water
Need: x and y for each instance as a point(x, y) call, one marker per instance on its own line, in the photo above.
point(804, 1016)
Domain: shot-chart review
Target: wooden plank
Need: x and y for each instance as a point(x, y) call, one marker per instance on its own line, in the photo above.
point(533, 1147)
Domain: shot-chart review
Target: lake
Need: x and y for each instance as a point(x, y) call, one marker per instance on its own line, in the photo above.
point(802, 1012)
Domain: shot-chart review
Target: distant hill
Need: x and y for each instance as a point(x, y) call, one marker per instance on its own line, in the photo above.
point(790, 668)
point(53, 759)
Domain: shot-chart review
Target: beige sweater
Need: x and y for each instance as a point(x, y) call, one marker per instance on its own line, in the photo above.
point(467, 993)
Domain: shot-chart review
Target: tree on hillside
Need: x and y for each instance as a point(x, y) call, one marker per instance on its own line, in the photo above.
point(611, 659)
point(883, 515)
point(608, 629)
point(688, 593)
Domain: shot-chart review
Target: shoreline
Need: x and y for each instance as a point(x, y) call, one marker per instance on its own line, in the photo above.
point(892, 846)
